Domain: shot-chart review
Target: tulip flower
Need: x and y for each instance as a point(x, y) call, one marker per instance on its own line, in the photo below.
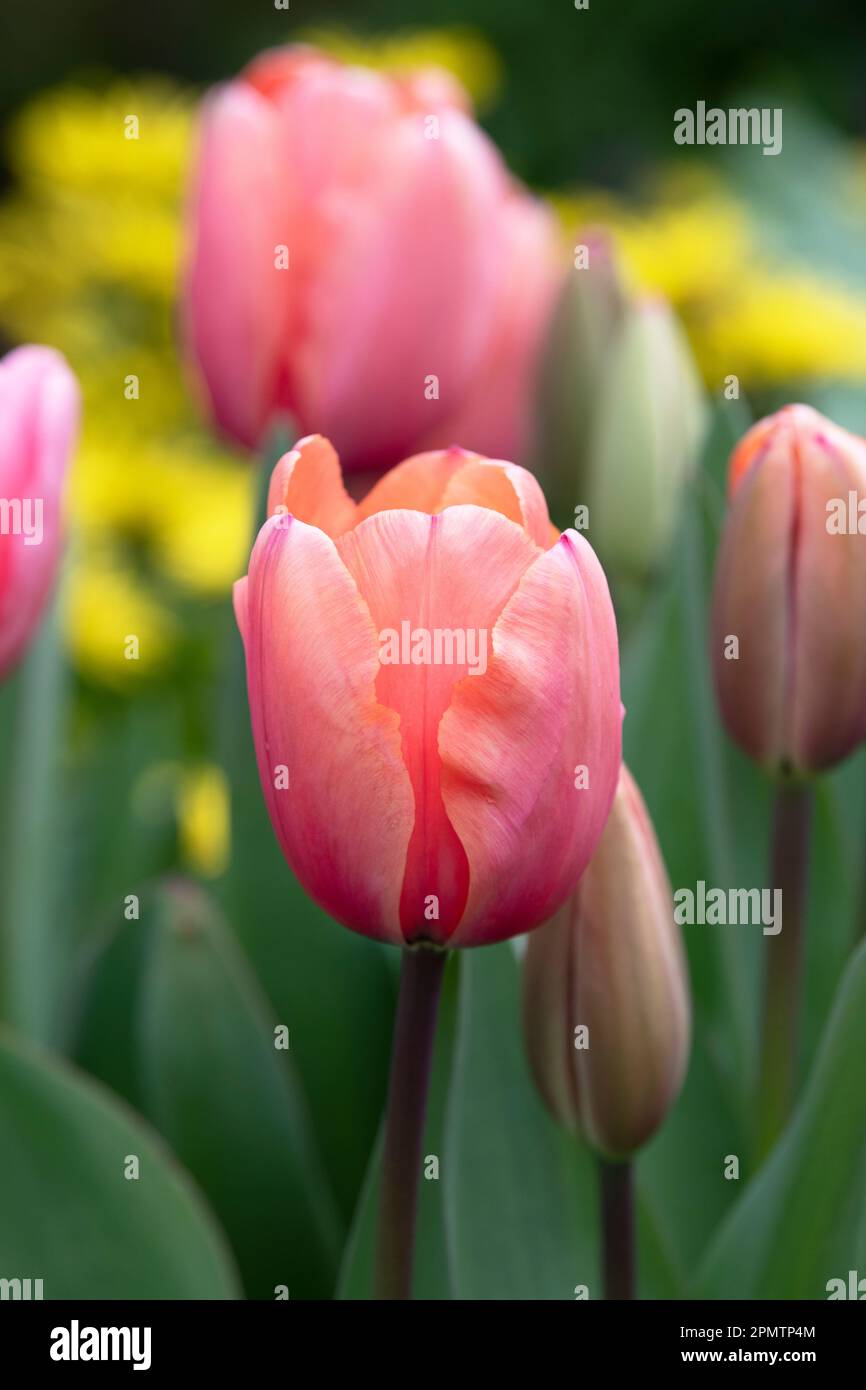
point(789, 660)
point(606, 1010)
point(588, 315)
point(362, 262)
point(645, 440)
point(789, 608)
point(433, 680)
point(39, 407)
point(623, 415)
point(611, 963)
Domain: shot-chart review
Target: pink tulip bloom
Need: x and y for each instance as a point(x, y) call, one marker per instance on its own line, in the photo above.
point(789, 609)
point(361, 261)
point(39, 409)
point(433, 679)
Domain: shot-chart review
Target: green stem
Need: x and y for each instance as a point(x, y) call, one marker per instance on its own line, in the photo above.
point(411, 1059)
point(618, 1250)
point(792, 824)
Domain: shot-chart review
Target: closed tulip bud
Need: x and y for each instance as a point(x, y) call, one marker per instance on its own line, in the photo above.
point(789, 607)
point(362, 262)
point(39, 408)
point(646, 435)
point(433, 681)
point(589, 310)
point(606, 1000)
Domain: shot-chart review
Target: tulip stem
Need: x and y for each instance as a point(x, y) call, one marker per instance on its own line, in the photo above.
point(792, 824)
point(618, 1257)
point(411, 1059)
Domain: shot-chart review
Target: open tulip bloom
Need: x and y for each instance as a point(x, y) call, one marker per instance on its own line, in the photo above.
point(433, 680)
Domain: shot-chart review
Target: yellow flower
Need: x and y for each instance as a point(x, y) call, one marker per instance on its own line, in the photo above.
point(202, 529)
point(117, 632)
point(204, 820)
point(131, 136)
point(787, 327)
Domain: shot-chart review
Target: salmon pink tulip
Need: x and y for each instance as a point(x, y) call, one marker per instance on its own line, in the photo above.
point(39, 406)
point(362, 262)
point(433, 679)
point(789, 615)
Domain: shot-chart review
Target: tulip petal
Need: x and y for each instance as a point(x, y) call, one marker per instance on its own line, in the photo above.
point(417, 484)
point(549, 1016)
point(452, 573)
point(39, 414)
point(513, 739)
point(307, 483)
point(827, 715)
point(751, 602)
point(503, 487)
point(345, 819)
point(630, 983)
point(426, 234)
point(237, 306)
point(494, 415)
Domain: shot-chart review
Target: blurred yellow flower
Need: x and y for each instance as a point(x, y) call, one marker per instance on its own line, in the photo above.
point(91, 241)
point(787, 327)
point(745, 313)
point(130, 135)
point(118, 633)
point(204, 821)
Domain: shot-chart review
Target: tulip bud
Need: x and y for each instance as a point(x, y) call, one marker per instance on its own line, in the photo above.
point(39, 408)
point(645, 439)
point(590, 308)
point(789, 609)
point(605, 999)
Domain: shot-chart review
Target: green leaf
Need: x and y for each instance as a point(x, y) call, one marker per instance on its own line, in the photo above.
point(68, 1214)
point(686, 768)
point(683, 1191)
point(520, 1196)
point(175, 1017)
point(432, 1276)
point(799, 1222)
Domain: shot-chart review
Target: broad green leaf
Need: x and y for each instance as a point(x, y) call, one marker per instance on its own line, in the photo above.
point(520, 1196)
point(681, 1178)
point(70, 1216)
point(432, 1277)
point(176, 1018)
point(799, 1222)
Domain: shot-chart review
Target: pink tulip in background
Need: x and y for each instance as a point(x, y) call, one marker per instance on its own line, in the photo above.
point(362, 261)
point(456, 801)
point(39, 409)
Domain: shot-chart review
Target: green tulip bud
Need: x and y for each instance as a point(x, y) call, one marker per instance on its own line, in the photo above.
point(646, 435)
